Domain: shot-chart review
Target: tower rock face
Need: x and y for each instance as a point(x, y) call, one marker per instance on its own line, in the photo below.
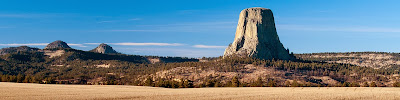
point(57, 44)
point(104, 49)
point(256, 36)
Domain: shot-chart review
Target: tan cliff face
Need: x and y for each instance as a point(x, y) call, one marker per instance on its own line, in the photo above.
point(256, 36)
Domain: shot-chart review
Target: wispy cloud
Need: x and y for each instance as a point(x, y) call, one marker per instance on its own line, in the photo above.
point(78, 45)
point(33, 15)
point(25, 44)
point(5, 27)
point(92, 43)
point(133, 19)
point(188, 11)
point(17, 15)
point(113, 21)
point(181, 27)
point(134, 30)
point(341, 29)
point(139, 44)
point(38, 44)
point(181, 52)
point(110, 21)
point(196, 24)
point(148, 44)
point(209, 46)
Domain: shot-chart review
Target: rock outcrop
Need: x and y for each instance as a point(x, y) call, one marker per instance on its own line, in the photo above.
point(104, 49)
point(57, 45)
point(256, 36)
point(17, 49)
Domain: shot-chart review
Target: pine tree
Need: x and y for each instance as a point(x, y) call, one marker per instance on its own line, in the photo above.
point(295, 84)
point(217, 84)
point(259, 82)
point(20, 78)
point(373, 84)
point(182, 84)
point(355, 84)
point(27, 79)
point(365, 84)
point(235, 82)
point(33, 79)
point(149, 81)
point(271, 83)
point(345, 84)
point(287, 83)
point(12, 78)
point(396, 84)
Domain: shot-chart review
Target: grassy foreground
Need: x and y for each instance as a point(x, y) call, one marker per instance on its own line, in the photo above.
point(53, 91)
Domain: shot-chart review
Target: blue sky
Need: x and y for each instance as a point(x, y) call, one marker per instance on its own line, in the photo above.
point(199, 28)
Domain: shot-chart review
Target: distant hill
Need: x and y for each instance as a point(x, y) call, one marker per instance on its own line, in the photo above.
point(73, 54)
point(104, 49)
point(366, 59)
point(64, 57)
point(57, 44)
point(4, 51)
point(58, 53)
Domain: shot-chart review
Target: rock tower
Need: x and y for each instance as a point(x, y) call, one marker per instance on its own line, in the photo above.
point(256, 36)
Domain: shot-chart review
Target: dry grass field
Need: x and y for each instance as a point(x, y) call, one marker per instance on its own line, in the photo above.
point(52, 91)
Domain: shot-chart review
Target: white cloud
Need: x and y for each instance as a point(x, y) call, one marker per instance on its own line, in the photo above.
point(134, 30)
point(92, 43)
point(183, 27)
point(196, 24)
point(209, 46)
point(38, 44)
point(25, 44)
point(110, 21)
point(147, 44)
point(188, 11)
point(139, 44)
point(17, 15)
point(4, 27)
point(135, 19)
point(34, 15)
point(78, 45)
point(180, 52)
point(342, 29)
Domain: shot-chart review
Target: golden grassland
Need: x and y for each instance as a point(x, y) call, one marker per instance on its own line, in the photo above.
point(54, 91)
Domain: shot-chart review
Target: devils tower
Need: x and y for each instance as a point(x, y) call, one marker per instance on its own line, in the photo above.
point(256, 36)
point(57, 45)
point(104, 49)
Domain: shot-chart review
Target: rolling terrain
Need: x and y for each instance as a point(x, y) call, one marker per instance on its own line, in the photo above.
point(364, 59)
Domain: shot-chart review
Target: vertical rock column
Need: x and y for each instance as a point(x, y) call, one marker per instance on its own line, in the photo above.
point(256, 36)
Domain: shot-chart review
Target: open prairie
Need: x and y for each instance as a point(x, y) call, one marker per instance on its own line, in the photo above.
point(52, 91)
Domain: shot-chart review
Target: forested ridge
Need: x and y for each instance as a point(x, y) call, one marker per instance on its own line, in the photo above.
point(81, 67)
point(365, 59)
